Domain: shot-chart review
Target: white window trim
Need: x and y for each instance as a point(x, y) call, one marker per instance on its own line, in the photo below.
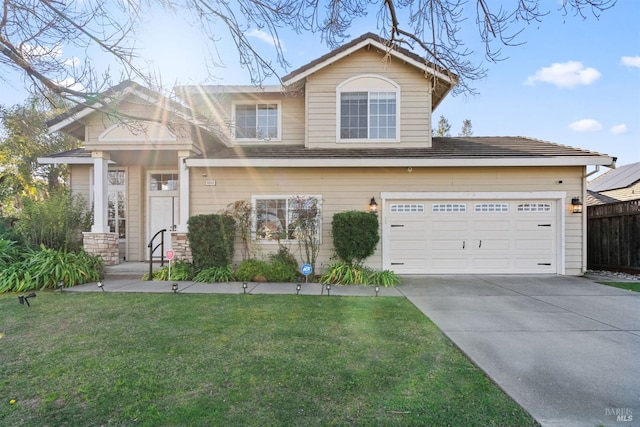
point(254, 219)
point(256, 102)
point(343, 87)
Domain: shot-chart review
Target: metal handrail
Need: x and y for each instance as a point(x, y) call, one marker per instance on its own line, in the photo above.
point(152, 249)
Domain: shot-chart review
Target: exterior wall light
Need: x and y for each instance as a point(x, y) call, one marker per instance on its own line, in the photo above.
point(576, 205)
point(373, 206)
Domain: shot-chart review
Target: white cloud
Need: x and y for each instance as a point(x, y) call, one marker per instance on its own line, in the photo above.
point(568, 74)
point(619, 129)
point(631, 61)
point(586, 125)
point(265, 37)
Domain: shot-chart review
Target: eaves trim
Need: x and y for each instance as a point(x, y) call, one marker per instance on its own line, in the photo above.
point(404, 162)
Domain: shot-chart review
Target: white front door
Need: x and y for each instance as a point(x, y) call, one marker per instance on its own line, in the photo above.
point(163, 209)
point(163, 215)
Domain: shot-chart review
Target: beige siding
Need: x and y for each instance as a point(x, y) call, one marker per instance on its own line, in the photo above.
point(98, 122)
point(352, 188)
point(135, 212)
point(80, 181)
point(415, 100)
point(220, 110)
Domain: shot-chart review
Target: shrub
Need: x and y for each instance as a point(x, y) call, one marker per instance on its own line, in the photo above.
point(45, 268)
point(355, 235)
point(250, 269)
point(8, 232)
point(56, 222)
point(344, 273)
point(283, 266)
point(211, 238)
point(215, 275)
point(180, 270)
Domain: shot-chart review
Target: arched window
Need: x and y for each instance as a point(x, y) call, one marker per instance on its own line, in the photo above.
point(368, 109)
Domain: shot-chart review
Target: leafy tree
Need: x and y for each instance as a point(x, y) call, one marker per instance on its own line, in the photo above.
point(444, 128)
point(33, 34)
point(467, 129)
point(23, 140)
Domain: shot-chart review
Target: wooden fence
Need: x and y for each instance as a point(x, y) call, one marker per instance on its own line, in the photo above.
point(613, 236)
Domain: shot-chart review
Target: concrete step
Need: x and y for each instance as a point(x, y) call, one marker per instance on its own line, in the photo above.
point(128, 270)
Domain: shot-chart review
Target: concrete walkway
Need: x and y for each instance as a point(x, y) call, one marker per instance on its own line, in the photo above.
point(565, 348)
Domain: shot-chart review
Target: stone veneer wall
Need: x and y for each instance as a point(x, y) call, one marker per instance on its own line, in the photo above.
point(104, 244)
point(181, 248)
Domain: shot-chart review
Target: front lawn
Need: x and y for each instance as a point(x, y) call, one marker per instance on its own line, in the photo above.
point(631, 286)
point(75, 359)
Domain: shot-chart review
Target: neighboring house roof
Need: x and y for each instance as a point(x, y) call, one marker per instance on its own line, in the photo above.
point(594, 198)
point(621, 177)
point(447, 151)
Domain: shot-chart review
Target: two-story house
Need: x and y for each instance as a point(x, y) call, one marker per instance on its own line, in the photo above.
point(348, 129)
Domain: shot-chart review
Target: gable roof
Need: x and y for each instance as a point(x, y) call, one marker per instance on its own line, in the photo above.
point(461, 151)
point(621, 177)
point(71, 122)
point(446, 80)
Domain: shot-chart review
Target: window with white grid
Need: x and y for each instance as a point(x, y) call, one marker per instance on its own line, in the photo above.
point(534, 207)
point(407, 208)
point(491, 207)
point(449, 207)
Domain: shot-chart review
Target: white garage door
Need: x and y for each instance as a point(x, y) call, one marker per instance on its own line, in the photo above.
point(471, 236)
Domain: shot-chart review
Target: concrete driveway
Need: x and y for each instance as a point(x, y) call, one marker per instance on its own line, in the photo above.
point(565, 348)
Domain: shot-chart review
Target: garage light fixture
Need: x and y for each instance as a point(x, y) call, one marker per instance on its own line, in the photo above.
point(373, 206)
point(576, 204)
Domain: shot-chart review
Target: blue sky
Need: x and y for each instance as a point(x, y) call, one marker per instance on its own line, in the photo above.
point(574, 82)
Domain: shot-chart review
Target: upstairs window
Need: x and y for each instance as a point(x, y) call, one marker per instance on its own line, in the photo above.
point(257, 122)
point(368, 109)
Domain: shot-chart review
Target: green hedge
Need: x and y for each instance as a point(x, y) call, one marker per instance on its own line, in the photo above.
point(355, 235)
point(211, 238)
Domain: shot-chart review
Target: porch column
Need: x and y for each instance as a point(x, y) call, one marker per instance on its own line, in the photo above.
point(183, 177)
point(100, 169)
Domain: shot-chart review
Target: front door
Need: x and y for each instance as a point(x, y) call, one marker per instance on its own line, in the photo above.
point(163, 209)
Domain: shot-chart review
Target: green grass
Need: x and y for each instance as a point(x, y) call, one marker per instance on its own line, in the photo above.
point(631, 286)
point(97, 359)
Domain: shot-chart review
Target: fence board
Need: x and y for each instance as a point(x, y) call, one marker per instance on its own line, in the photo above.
point(613, 236)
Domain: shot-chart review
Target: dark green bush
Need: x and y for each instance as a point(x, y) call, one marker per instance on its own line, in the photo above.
point(211, 238)
point(283, 266)
point(8, 232)
point(252, 268)
point(355, 235)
